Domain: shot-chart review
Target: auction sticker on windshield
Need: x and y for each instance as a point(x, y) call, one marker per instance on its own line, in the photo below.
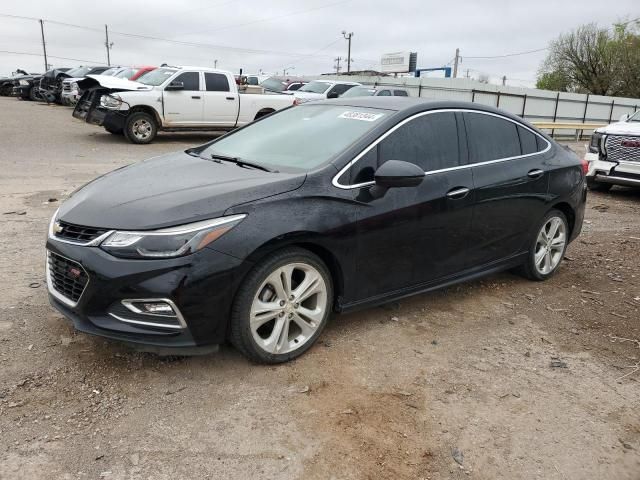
point(364, 116)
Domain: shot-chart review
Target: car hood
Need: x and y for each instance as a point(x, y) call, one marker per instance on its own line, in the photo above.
point(112, 83)
point(621, 128)
point(170, 190)
point(308, 95)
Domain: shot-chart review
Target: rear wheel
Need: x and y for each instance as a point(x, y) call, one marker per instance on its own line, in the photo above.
point(140, 127)
point(598, 186)
point(548, 247)
point(282, 306)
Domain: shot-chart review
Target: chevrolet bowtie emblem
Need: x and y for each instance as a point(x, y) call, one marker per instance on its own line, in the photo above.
point(57, 228)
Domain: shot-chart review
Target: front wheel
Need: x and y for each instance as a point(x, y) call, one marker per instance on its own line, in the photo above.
point(548, 247)
point(282, 306)
point(140, 128)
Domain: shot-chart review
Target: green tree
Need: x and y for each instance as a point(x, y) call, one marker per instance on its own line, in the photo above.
point(594, 60)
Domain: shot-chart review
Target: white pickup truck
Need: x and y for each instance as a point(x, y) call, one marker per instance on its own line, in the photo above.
point(173, 99)
point(614, 155)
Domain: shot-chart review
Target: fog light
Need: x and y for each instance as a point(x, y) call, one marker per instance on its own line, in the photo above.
point(157, 308)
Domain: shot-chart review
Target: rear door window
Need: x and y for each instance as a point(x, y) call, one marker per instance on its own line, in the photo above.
point(216, 82)
point(527, 141)
point(491, 138)
point(400, 93)
point(384, 93)
point(340, 89)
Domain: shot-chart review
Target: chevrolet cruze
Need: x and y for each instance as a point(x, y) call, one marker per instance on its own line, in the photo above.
point(258, 236)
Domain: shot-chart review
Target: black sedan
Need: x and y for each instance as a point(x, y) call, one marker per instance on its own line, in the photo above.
point(258, 236)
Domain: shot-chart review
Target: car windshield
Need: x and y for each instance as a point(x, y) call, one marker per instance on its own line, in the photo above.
point(635, 117)
point(296, 138)
point(273, 84)
point(359, 92)
point(78, 72)
point(126, 73)
point(157, 77)
point(315, 87)
point(110, 71)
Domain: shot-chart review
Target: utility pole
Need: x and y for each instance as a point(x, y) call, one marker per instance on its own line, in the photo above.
point(347, 37)
point(44, 46)
point(467, 74)
point(504, 80)
point(215, 63)
point(455, 63)
point(337, 65)
point(107, 44)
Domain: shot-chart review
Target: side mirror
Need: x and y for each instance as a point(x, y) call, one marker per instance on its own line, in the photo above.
point(333, 95)
point(175, 86)
point(395, 173)
point(624, 117)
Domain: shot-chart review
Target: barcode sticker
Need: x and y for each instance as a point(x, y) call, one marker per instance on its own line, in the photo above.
point(366, 117)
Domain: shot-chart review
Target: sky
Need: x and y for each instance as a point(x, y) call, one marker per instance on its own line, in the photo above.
point(302, 36)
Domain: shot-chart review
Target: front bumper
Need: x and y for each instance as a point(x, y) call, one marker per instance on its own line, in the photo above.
point(69, 98)
point(616, 173)
point(201, 286)
point(22, 91)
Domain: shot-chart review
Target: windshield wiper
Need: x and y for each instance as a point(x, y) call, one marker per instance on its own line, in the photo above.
point(240, 162)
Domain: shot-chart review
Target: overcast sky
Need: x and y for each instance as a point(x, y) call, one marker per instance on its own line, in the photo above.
point(304, 36)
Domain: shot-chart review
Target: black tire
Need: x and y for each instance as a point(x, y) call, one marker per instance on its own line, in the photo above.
point(132, 133)
point(241, 335)
point(529, 269)
point(598, 186)
point(114, 131)
point(34, 95)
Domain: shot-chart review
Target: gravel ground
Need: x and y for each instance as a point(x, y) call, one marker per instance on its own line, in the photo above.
point(496, 379)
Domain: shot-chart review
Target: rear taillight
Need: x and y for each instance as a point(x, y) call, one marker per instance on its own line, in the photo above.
point(585, 166)
point(296, 101)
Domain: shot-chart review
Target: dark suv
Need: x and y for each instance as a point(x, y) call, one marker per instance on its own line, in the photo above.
point(258, 236)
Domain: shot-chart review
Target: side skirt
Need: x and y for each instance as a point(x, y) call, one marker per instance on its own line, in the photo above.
point(467, 275)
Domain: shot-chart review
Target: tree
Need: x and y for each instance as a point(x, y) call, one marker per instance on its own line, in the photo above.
point(594, 60)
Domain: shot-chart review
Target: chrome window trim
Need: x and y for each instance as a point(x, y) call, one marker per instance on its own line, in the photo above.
point(337, 184)
point(57, 295)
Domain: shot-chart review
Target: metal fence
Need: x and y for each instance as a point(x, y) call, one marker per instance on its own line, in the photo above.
point(529, 103)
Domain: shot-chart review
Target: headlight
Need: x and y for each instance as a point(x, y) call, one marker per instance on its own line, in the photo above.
point(169, 242)
point(594, 144)
point(23, 82)
point(74, 85)
point(110, 101)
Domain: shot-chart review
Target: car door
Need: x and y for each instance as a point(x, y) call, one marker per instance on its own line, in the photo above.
point(412, 236)
point(220, 104)
point(511, 179)
point(185, 106)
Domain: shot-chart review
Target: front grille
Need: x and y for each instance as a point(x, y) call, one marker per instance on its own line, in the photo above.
point(78, 233)
point(617, 150)
point(67, 277)
point(66, 87)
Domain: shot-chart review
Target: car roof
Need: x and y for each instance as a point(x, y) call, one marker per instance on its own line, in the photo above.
point(341, 82)
point(411, 105)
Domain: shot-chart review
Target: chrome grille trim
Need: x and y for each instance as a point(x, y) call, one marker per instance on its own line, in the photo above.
point(617, 152)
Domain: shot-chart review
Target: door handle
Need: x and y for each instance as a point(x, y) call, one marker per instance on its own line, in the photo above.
point(195, 97)
point(536, 173)
point(458, 193)
point(231, 98)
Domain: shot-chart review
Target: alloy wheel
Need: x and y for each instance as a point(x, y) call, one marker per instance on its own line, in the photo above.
point(288, 308)
point(550, 245)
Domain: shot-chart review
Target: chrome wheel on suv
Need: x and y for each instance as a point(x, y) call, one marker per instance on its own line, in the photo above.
point(283, 306)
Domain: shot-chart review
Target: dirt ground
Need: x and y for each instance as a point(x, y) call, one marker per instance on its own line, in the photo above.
point(496, 379)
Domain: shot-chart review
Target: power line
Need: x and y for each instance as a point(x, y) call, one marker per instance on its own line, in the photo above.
point(509, 54)
point(52, 56)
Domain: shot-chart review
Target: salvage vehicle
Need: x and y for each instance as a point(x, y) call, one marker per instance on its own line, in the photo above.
point(259, 235)
point(375, 92)
point(321, 89)
point(50, 87)
point(6, 84)
point(282, 85)
point(171, 98)
point(614, 155)
point(28, 88)
point(71, 93)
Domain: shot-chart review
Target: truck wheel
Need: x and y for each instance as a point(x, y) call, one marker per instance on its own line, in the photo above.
point(598, 186)
point(34, 94)
point(140, 128)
